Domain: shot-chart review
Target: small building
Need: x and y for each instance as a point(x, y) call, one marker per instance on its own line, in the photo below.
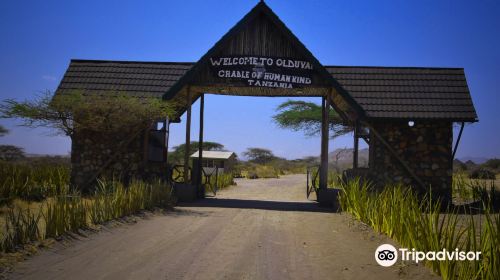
point(222, 160)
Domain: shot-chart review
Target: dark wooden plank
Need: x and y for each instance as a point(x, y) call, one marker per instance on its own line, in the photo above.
point(356, 146)
point(188, 136)
point(200, 140)
point(323, 173)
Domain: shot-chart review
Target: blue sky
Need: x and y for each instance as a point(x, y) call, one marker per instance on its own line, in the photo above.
point(38, 38)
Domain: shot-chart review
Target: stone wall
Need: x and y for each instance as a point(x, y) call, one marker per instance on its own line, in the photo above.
point(100, 155)
point(426, 147)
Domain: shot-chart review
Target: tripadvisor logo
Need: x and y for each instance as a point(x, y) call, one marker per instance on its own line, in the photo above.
point(387, 255)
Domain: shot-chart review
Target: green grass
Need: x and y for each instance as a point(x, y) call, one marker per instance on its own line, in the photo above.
point(64, 214)
point(21, 226)
point(32, 182)
point(71, 212)
point(333, 178)
point(224, 180)
point(414, 223)
point(112, 200)
point(467, 190)
point(255, 171)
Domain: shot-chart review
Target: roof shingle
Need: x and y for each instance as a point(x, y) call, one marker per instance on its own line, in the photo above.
point(405, 92)
point(142, 78)
point(383, 92)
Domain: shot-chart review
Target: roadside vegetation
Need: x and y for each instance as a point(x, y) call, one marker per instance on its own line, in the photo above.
point(38, 203)
point(222, 181)
point(262, 163)
point(110, 118)
point(23, 222)
point(471, 190)
point(32, 181)
point(421, 224)
point(37, 199)
point(486, 170)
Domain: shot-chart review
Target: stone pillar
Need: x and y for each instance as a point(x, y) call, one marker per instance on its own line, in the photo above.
point(426, 147)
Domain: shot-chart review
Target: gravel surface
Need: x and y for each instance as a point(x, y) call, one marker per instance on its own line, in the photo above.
point(260, 229)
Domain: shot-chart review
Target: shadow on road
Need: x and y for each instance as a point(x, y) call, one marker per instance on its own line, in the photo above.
point(257, 204)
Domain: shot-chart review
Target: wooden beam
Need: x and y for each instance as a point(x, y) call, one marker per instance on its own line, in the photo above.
point(200, 140)
point(323, 172)
point(167, 135)
point(366, 139)
point(356, 145)
point(458, 140)
point(188, 136)
point(393, 152)
point(343, 115)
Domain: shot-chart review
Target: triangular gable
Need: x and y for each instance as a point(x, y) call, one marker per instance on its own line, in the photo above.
point(261, 53)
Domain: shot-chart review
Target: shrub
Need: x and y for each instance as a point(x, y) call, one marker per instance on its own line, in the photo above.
point(20, 227)
point(31, 181)
point(11, 153)
point(70, 213)
point(262, 171)
point(493, 163)
point(482, 174)
point(398, 212)
point(224, 180)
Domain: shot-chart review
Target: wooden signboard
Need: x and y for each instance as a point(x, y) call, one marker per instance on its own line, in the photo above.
point(256, 71)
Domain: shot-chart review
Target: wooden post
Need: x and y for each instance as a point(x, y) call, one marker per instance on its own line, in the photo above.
point(167, 135)
point(188, 136)
point(458, 140)
point(356, 146)
point(323, 173)
point(200, 141)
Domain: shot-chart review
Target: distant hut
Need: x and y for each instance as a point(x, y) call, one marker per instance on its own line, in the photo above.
point(223, 161)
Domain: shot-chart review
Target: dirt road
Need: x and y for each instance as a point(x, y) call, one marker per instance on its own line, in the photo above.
point(260, 229)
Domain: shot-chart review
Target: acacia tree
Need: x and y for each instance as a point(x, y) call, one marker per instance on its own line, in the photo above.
point(9, 152)
point(3, 131)
point(306, 116)
point(259, 155)
point(115, 116)
point(73, 112)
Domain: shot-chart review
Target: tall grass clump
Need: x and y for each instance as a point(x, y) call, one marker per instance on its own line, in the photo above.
point(255, 171)
point(333, 177)
point(20, 227)
point(113, 200)
point(222, 181)
point(62, 214)
point(468, 190)
point(32, 182)
point(420, 223)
